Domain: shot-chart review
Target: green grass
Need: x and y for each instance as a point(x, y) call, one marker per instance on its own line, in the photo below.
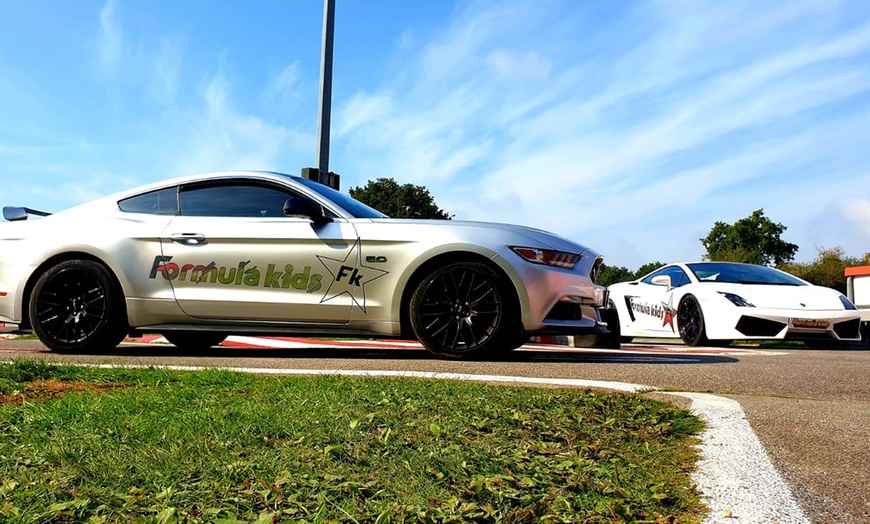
point(217, 446)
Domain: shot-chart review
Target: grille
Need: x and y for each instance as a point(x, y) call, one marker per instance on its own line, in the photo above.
point(758, 327)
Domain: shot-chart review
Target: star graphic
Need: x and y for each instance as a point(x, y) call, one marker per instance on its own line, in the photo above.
point(349, 276)
point(670, 313)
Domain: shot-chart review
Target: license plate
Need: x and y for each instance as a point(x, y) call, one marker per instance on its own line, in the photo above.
point(810, 323)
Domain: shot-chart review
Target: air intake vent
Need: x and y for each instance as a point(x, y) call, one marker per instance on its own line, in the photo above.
point(758, 327)
point(848, 329)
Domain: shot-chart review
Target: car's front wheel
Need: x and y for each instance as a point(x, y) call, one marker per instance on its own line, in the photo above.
point(610, 317)
point(76, 306)
point(462, 311)
point(690, 320)
point(194, 340)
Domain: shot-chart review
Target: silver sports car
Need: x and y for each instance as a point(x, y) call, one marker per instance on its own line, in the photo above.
point(260, 253)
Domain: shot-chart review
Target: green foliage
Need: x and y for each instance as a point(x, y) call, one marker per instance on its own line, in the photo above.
point(828, 269)
point(754, 240)
point(398, 201)
point(608, 275)
point(647, 268)
point(217, 446)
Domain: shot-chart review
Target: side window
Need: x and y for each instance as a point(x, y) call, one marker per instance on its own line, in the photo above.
point(678, 276)
point(162, 202)
point(649, 278)
point(233, 200)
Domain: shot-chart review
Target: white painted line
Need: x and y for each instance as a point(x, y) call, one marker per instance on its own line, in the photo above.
point(734, 474)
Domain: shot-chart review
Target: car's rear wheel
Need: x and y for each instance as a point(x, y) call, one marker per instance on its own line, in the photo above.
point(194, 340)
point(690, 320)
point(462, 311)
point(77, 306)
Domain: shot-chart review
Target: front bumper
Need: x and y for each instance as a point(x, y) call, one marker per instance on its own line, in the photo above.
point(766, 324)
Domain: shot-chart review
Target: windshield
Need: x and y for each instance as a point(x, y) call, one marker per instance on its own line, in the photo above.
point(354, 207)
point(742, 274)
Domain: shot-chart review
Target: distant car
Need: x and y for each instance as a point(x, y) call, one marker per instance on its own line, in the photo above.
point(260, 253)
point(717, 302)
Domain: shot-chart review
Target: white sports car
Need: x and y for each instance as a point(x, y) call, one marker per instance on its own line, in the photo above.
point(201, 257)
point(717, 302)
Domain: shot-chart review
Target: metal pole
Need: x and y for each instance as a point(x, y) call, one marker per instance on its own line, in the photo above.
point(325, 91)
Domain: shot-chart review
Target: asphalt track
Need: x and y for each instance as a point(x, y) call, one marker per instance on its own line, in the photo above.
point(810, 410)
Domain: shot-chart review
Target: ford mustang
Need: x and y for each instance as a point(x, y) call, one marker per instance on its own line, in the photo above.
point(717, 302)
point(260, 253)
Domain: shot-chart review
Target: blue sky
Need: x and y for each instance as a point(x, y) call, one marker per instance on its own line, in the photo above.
point(630, 127)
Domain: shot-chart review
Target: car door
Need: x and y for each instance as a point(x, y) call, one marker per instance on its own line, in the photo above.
point(652, 305)
point(232, 254)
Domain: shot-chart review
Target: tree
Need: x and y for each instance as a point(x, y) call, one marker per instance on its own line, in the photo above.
point(754, 239)
point(647, 268)
point(828, 269)
point(608, 275)
point(398, 201)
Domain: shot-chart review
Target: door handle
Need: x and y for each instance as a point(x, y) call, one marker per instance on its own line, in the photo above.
point(188, 238)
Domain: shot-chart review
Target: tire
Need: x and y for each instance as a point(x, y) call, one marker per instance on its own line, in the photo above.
point(77, 307)
point(194, 340)
point(463, 310)
point(612, 339)
point(690, 320)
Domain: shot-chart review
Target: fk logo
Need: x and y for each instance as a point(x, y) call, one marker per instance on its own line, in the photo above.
point(353, 276)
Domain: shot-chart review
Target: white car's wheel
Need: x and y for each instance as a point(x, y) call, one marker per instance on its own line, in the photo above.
point(76, 306)
point(460, 311)
point(690, 320)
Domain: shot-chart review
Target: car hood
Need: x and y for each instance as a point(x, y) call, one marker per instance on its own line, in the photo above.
point(784, 297)
point(522, 236)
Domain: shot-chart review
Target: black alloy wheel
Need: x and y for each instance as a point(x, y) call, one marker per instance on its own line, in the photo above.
point(690, 320)
point(460, 311)
point(76, 306)
point(194, 340)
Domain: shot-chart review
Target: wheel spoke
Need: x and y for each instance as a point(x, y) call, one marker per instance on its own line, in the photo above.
point(459, 309)
point(72, 305)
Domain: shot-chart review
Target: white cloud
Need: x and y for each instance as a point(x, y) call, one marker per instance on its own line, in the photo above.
point(218, 136)
point(518, 65)
point(110, 42)
point(284, 85)
point(695, 101)
point(857, 212)
point(164, 76)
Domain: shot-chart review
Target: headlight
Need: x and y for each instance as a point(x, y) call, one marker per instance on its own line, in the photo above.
point(737, 300)
point(548, 257)
point(847, 303)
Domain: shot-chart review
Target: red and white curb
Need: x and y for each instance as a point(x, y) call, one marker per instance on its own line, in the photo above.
point(244, 342)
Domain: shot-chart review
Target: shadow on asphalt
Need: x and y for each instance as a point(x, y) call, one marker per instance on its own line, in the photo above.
point(336, 353)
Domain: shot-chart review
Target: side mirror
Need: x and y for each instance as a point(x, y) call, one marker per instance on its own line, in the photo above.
point(13, 214)
point(662, 280)
point(305, 208)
